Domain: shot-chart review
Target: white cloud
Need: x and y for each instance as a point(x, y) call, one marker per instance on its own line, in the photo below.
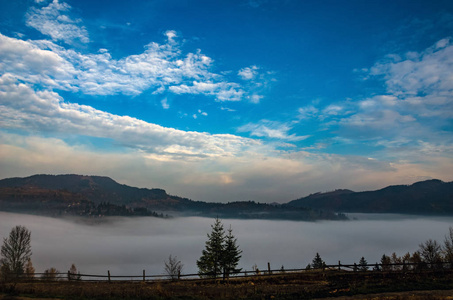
point(52, 21)
point(308, 112)
point(45, 111)
point(418, 103)
point(165, 104)
point(271, 129)
point(255, 98)
point(158, 68)
point(248, 73)
point(171, 35)
point(257, 82)
point(227, 109)
point(29, 63)
point(426, 76)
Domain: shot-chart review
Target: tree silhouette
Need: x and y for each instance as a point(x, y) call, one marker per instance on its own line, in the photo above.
point(173, 267)
point(221, 254)
point(210, 262)
point(430, 252)
point(317, 262)
point(16, 250)
point(231, 255)
point(385, 263)
point(363, 264)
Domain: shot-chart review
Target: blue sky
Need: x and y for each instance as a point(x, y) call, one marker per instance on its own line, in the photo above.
point(228, 100)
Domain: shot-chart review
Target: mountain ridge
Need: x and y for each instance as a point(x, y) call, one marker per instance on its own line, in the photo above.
point(100, 192)
point(53, 192)
point(424, 197)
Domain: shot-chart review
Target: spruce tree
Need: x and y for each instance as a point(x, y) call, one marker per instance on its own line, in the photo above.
point(210, 262)
point(232, 254)
point(363, 264)
point(317, 262)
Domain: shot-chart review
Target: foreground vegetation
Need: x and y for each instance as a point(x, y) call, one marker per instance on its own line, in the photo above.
point(303, 285)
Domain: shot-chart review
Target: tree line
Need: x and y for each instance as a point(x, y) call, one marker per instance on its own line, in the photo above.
point(430, 254)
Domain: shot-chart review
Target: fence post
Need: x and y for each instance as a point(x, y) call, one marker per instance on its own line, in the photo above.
point(108, 273)
point(339, 266)
point(269, 268)
point(179, 274)
point(143, 275)
point(69, 275)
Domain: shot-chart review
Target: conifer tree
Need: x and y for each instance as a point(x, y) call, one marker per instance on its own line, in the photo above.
point(317, 262)
point(385, 263)
point(232, 254)
point(210, 262)
point(221, 254)
point(363, 264)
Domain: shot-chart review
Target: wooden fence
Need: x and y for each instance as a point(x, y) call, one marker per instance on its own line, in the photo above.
point(394, 267)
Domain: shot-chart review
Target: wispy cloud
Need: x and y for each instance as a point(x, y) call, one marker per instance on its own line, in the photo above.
point(54, 20)
point(159, 68)
point(165, 104)
point(308, 112)
point(419, 102)
point(257, 82)
point(271, 129)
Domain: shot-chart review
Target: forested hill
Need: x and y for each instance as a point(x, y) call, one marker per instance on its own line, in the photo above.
point(426, 197)
point(97, 196)
point(99, 189)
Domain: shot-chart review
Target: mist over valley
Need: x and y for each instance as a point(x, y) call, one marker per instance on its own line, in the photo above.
point(126, 246)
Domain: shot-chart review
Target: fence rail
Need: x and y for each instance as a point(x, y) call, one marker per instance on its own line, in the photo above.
point(392, 267)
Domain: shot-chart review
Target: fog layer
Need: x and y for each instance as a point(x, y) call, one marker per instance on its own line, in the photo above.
point(126, 246)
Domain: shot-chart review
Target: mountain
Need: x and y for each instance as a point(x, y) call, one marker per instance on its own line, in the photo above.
point(433, 197)
point(98, 196)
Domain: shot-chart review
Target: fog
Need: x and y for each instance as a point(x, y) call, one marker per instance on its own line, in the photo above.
point(126, 246)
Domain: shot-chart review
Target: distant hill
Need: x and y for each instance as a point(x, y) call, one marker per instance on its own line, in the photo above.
point(98, 196)
point(433, 197)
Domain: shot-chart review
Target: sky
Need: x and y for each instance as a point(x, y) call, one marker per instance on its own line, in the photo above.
point(228, 100)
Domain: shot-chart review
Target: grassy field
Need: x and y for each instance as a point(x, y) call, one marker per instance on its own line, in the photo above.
point(306, 285)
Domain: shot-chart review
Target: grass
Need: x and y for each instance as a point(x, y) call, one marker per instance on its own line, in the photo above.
point(306, 285)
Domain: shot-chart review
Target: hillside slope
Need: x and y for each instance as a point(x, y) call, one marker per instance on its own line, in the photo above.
point(425, 197)
point(56, 193)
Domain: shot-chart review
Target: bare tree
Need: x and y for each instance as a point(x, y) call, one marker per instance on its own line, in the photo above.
point(430, 252)
point(173, 267)
point(16, 250)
